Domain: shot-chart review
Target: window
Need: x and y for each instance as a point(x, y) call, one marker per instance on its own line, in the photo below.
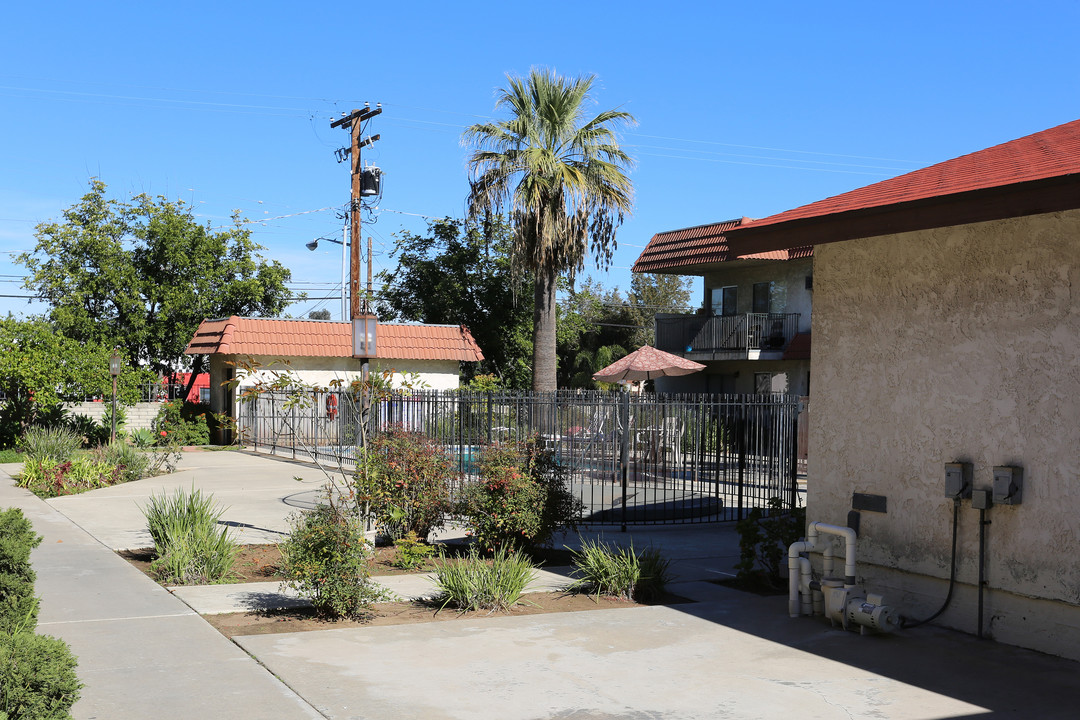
point(762, 383)
point(761, 297)
point(204, 395)
point(725, 300)
point(770, 382)
point(770, 297)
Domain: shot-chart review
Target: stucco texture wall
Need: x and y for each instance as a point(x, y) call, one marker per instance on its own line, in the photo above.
point(954, 344)
point(430, 374)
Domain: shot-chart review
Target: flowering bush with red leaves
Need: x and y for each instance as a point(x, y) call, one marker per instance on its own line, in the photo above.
point(404, 479)
point(521, 499)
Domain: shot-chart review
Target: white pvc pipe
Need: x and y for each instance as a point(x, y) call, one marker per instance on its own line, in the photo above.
point(849, 548)
point(795, 559)
point(806, 598)
point(827, 562)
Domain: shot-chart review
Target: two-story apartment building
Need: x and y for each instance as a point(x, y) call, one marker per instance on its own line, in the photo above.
point(752, 331)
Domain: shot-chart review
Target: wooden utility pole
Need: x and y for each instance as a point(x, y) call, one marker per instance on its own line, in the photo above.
point(355, 120)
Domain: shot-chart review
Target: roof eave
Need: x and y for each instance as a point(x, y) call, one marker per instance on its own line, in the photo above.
point(997, 203)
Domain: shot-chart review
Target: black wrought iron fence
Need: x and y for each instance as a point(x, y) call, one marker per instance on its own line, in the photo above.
point(631, 459)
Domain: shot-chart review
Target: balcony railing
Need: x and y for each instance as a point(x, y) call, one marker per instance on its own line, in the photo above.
point(727, 337)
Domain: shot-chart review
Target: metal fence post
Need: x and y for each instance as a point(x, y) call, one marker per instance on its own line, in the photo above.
point(794, 445)
point(740, 448)
point(624, 449)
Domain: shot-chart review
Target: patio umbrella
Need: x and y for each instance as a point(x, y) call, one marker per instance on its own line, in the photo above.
point(644, 363)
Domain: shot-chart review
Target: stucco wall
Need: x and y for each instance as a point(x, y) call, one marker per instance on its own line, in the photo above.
point(956, 344)
point(432, 374)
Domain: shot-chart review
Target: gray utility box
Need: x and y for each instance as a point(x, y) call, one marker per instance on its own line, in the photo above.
point(1008, 485)
point(958, 480)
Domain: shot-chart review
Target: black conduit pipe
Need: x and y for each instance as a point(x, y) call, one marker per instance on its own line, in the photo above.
point(905, 622)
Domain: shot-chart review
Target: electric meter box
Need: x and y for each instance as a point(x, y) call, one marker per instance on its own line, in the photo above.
point(957, 480)
point(1008, 485)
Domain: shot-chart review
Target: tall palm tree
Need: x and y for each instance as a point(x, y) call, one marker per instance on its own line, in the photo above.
point(562, 176)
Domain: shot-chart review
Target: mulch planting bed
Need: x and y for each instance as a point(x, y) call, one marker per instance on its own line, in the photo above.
point(259, 563)
point(408, 613)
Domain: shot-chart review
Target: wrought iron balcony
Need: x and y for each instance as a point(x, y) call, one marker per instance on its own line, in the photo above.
point(726, 337)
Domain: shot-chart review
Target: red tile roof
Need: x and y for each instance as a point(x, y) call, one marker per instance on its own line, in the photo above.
point(317, 338)
point(798, 348)
point(1049, 155)
point(691, 249)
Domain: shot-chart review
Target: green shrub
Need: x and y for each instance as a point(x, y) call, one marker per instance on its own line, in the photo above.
point(132, 464)
point(604, 569)
point(107, 420)
point(521, 499)
point(405, 483)
point(191, 549)
point(46, 477)
point(325, 560)
point(92, 432)
point(37, 677)
point(411, 552)
point(182, 423)
point(763, 542)
point(58, 443)
point(18, 605)
point(473, 583)
point(142, 438)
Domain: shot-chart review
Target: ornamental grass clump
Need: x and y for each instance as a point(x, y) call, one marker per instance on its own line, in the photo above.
point(58, 443)
point(604, 569)
point(191, 549)
point(476, 583)
point(132, 464)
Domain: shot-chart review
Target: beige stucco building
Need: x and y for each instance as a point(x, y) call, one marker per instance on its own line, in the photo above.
point(947, 328)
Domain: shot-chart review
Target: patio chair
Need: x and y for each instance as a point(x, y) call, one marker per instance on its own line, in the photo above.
point(671, 435)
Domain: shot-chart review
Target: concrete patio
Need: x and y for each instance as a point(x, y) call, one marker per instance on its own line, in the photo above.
point(144, 652)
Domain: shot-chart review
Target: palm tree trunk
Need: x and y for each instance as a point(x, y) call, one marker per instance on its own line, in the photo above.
point(544, 331)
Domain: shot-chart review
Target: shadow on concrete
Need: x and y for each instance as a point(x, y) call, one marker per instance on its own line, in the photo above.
point(1005, 680)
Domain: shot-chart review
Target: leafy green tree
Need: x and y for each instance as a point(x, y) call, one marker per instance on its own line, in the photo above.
point(459, 274)
point(649, 295)
point(323, 314)
point(562, 175)
point(40, 369)
point(593, 333)
point(143, 274)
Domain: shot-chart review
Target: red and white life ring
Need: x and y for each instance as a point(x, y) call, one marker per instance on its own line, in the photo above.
point(331, 406)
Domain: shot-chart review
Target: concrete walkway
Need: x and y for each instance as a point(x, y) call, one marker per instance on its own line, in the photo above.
point(142, 652)
point(145, 654)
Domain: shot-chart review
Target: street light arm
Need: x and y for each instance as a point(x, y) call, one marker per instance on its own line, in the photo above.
point(314, 244)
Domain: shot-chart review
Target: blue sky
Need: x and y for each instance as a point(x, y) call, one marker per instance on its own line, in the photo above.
point(741, 110)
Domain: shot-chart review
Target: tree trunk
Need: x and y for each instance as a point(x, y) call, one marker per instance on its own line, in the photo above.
point(196, 368)
point(544, 331)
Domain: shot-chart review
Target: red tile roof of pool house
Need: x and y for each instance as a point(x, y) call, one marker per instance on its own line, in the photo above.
point(319, 338)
